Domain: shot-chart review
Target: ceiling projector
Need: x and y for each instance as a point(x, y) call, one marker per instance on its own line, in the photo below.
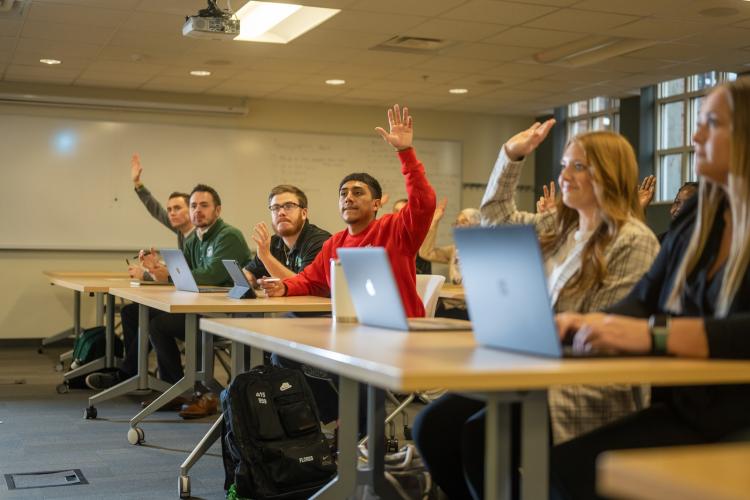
point(212, 23)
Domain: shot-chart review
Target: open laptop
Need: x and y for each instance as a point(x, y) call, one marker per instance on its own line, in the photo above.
point(506, 291)
point(375, 294)
point(182, 276)
point(242, 288)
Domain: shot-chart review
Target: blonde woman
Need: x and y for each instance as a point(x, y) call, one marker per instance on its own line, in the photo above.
point(701, 280)
point(595, 249)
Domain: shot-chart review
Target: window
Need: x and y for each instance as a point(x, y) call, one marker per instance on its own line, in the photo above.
point(677, 106)
point(598, 113)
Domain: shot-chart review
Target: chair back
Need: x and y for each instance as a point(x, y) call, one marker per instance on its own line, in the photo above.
point(428, 289)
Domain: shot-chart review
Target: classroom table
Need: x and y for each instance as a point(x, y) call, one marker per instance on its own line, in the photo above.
point(170, 300)
point(97, 283)
point(715, 471)
point(408, 362)
point(450, 291)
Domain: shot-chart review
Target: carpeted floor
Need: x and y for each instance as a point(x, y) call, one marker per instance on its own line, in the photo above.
point(42, 430)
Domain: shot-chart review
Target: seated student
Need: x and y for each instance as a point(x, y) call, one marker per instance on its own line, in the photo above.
point(701, 279)
point(401, 233)
point(451, 308)
point(686, 191)
point(595, 249)
point(423, 266)
point(176, 217)
point(296, 242)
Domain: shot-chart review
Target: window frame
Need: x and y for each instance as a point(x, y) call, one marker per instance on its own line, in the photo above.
point(611, 110)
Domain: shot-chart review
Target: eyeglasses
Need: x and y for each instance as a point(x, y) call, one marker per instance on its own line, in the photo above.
point(287, 207)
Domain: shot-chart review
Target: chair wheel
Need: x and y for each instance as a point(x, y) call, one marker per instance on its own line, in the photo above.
point(59, 367)
point(136, 435)
point(90, 413)
point(63, 388)
point(183, 486)
point(40, 350)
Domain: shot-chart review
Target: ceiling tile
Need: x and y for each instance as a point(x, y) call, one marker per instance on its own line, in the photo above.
point(584, 21)
point(126, 67)
point(107, 4)
point(454, 64)
point(115, 80)
point(532, 37)
point(68, 63)
point(415, 7)
point(56, 49)
point(416, 75)
point(355, 71)
point(341, 38)
point(447, 29)
point(509, 13)
point(268, 77)
point(726, 38)
point(368, 22)
point(634, 7)
point(627, 64)
point(178, 84)
point(38, 73)
point(657, 29)
point(298, 65)
point(66, 32)
point(74, 15)
point(677, 52)
point(487, 52)
point(10, 28)
point(523, 70)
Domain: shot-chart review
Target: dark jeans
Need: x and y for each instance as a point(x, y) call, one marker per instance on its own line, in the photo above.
point(163, 330)
point(129, 317)
point(449, 434)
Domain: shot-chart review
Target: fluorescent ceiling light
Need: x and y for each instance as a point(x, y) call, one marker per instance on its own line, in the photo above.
point(200, 72)
point(50, 61)
point(278, 22)
point(458, 91)
point(335, 81)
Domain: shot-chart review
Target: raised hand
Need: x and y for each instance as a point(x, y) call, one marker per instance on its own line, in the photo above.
point(546, 202)
point(646, 190)
point(262, 238)
point(401, 132)
point(524, 143)
point(136, 170)
point(440, 210)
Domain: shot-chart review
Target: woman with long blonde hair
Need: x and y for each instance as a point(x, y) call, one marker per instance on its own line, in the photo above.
point(595, 248)
point(696, 297)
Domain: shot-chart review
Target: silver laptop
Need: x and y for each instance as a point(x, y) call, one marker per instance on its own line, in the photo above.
point(506, 291)
point(182, 276)
point(375, 294)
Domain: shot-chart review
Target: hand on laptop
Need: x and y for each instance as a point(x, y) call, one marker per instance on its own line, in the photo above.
point(273, 287)
point(605, 332)
point(401, 131)
point(524, 143)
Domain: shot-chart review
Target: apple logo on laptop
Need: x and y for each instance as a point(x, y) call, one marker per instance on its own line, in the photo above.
point(370, 288)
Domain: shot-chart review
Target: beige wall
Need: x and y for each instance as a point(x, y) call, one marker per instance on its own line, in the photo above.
point(30, 308)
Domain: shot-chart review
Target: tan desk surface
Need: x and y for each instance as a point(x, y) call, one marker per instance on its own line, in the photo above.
point(718, 472)
point(166, 298)
point(404, 361)
point(88, 281)
point(452, 292)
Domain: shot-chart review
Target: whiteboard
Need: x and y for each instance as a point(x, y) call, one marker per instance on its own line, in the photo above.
point(66, 182)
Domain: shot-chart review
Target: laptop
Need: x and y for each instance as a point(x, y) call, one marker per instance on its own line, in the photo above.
point(375, 294)
point(506, 291)
point(242, 288)
point(182, 276)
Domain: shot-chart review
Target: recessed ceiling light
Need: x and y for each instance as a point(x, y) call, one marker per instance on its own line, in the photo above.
point(458, 91)
point(335, 82)
point(200, 72)
point(278, 22)
point(50, 61)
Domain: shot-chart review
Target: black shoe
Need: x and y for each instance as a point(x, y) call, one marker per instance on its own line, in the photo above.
point(103, 380)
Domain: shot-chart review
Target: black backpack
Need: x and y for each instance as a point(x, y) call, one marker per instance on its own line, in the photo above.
point(272, 444)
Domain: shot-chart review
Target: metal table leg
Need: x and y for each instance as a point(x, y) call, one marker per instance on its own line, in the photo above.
point(497, 458)
point(535, 446)
point(344, 485)
point(142, 381)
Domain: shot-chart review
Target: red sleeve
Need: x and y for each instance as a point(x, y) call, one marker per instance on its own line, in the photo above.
point(314, 279)
point(413, 221)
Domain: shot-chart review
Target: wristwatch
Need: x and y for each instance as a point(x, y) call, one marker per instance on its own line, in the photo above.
point(658, 328)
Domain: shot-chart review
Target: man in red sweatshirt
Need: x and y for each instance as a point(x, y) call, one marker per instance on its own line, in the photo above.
point(401, 234)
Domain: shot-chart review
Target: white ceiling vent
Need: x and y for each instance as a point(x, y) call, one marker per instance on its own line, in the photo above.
point(413, 44)
point(13, 8)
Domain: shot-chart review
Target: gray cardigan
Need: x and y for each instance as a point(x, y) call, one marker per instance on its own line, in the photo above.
point(159, 213)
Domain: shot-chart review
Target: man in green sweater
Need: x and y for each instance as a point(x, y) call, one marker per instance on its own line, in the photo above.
point(212, 241)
